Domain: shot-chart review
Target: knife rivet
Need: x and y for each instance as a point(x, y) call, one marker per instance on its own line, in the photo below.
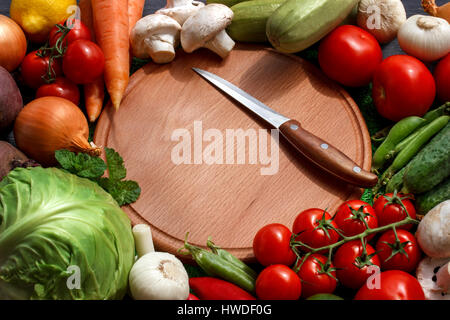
point(324, 146)
point(357, 169)
point(294, 127)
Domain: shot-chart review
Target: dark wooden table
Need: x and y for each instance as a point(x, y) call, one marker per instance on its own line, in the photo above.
point(412, 7)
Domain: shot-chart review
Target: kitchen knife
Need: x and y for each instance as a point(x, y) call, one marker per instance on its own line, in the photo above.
point(315, 149)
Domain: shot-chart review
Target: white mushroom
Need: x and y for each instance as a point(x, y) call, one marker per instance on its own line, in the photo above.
point(434, 276)
point(206, 29)
point(181, 10)
point(433, 232)
point(155, 36)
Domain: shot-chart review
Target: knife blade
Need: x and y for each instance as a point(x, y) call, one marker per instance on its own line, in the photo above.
point(312, 147)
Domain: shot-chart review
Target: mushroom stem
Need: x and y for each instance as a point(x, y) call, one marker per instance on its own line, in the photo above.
point(161, 48)
point(143, 239)
point(443, 277)
point(221, 44)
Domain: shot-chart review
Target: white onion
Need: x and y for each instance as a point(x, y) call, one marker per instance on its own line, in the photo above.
point(425, 37)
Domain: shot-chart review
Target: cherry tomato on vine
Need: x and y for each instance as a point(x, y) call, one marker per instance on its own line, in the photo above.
point(402, 87)
point(393, 285)
point(35, 69)
point(389, 209)
point(350, 55)
point(354, 265)
point(74, 30)
point(350, 216)
point(317, 275)
point(442, 77)
point(398, 253)
point(271, 245)
point(315, 229)
point(278, 282)
point(83, 62)
point(61, 87)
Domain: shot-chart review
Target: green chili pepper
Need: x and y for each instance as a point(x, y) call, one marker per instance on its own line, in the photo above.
point(216, 266)
point(399, 131)
point(232, 259)
point(414, 147)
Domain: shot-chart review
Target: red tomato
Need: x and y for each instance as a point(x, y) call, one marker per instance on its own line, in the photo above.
point(278, 282)
point(78, 30)
point(442, 77)
point(349, 262)
point(350, 55)
point(35, 68)
point(389, 209)
point(315, 228)
point(271, 245)
point(192, 297)
point(317, 276)
point(349, 218)
point(393, 285)
point(408, 252)
point(61, 87)
point(83, 62)
point(403, 86)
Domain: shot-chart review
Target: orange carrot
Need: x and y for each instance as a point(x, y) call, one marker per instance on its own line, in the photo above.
point(94, 94)
point(86, 16)
point(111, 32)
point(135, 10)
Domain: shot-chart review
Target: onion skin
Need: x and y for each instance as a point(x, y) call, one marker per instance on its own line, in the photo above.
point(431, 8)
point(13, 38)
point(51, 123)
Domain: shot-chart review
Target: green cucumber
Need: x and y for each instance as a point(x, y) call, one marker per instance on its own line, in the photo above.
point(298, 24)
point(428, 200)
point(431, 165)
point(228, 3)
point(250, 20)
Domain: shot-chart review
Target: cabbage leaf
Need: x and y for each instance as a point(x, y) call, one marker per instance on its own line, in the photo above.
point(52, 222)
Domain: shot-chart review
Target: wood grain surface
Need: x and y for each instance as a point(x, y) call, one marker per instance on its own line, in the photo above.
point(229, 202)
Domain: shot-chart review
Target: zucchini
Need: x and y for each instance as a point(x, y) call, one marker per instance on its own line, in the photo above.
point(250, 20)
point(431, 165)
point(298, 24)
point(428, 200)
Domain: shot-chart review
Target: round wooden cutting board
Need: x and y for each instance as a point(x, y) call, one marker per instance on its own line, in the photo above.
point(167, 105)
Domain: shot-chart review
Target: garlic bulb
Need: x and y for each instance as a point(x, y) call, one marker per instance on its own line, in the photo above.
point(425, 37)
point(381, 18)
point(156, 275)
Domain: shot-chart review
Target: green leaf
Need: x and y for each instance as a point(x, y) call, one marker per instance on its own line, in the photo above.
point(124, 192)
point(82, 165)
point(116, 168)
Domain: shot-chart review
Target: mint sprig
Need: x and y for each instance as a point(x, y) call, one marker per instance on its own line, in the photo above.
point(93, 168)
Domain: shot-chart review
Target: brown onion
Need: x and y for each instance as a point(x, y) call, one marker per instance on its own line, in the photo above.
point(51, 123)
point(13, 44)
point(433, 9)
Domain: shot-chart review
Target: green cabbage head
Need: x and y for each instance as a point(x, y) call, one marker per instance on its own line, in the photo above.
point(61, 237)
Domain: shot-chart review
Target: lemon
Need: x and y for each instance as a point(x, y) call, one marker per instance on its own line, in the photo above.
point(38, 17)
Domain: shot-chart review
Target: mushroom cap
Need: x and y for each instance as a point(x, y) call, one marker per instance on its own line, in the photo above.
point(149, 26)
point(181, 10)
point(426, 273)
point(205, 25)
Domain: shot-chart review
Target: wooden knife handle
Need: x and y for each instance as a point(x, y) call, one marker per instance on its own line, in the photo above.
point(326, 156)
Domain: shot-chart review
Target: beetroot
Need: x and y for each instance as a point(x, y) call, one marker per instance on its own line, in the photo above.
point(10, 101)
